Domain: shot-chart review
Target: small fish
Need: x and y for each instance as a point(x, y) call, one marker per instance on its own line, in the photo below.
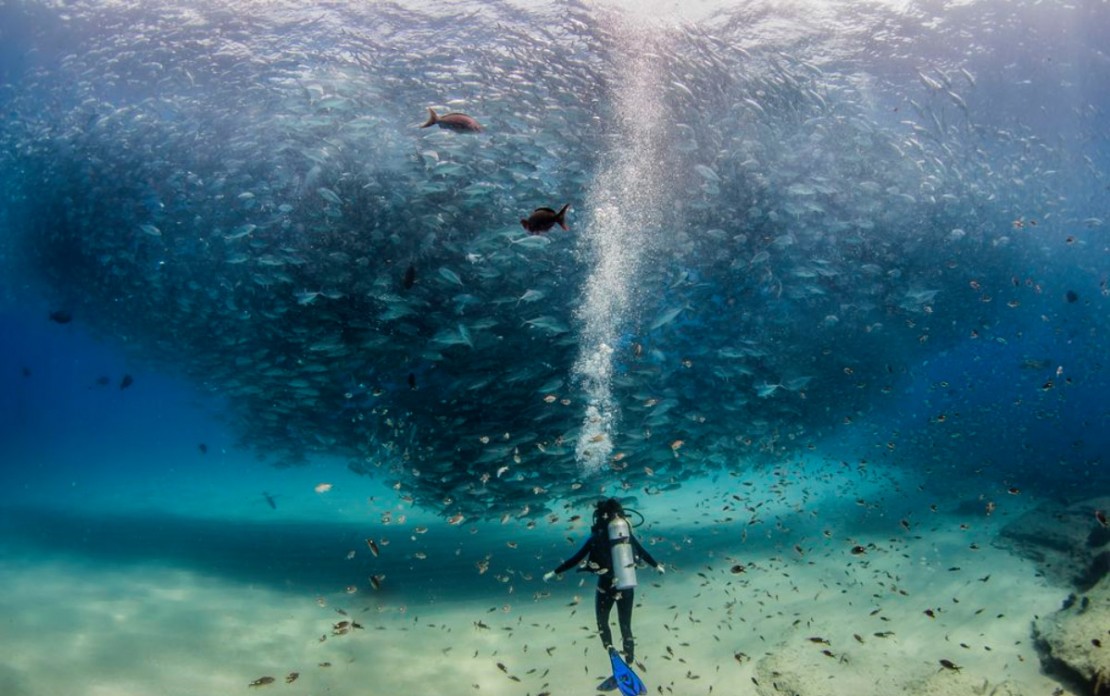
point(126, 382)
point(1100, 515)
point(291, 677)
point(322, 487)
point(203, 448)
point(453, 121)
point(61, 316)
point(766, 389)
point(949, 664)
point(261, 681)
point(376, 581)
point(330, 196)
point(543, 219)
point(410, 277)
point(269, 500)
point(373, 547)
point(857, 550)
point(412, 381)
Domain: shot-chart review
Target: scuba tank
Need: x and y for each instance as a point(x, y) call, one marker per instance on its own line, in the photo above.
point(624, 562)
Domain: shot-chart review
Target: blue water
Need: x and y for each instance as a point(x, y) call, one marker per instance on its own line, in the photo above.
point(826, 257)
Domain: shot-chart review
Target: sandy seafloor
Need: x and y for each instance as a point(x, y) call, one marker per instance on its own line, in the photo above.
point(187, 582)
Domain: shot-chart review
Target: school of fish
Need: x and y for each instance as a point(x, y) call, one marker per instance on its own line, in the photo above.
point(251, 200)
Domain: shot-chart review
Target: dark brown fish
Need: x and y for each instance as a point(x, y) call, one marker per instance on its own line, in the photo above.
point(126, 382)
point(543, 219)
point(453, 121)
point(949, 664)
point(291, 677)
point(262, 681)
point(410, 277)
point(61, 316)
point(1100, 515)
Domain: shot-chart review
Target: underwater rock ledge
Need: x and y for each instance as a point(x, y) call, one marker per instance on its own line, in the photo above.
point(1071, 547)
point(1075, 641)
point(1066, 542)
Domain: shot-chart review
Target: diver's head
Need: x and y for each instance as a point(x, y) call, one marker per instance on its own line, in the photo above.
point(606, 511)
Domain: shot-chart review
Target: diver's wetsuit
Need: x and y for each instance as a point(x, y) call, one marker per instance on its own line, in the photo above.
point(597, 547)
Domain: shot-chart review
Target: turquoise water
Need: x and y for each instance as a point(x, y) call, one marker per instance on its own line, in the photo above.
point(835, 275)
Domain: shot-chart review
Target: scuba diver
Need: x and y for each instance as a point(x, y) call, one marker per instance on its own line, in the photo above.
point(613, 553)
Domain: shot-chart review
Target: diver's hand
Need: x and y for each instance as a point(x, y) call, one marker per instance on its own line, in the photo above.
point(548, 575)
point(662, 569)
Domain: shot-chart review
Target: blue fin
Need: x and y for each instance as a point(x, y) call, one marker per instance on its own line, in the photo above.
point(627, 681)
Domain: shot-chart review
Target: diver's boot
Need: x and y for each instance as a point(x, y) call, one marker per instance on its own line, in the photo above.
point(629, 650)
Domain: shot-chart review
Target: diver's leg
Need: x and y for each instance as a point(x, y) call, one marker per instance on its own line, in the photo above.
point(603, 605)
point(624, 618)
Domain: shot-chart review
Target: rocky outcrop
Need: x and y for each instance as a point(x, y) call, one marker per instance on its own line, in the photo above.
point(1071, 546)
point(1075, 641)
point(1068, 543)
